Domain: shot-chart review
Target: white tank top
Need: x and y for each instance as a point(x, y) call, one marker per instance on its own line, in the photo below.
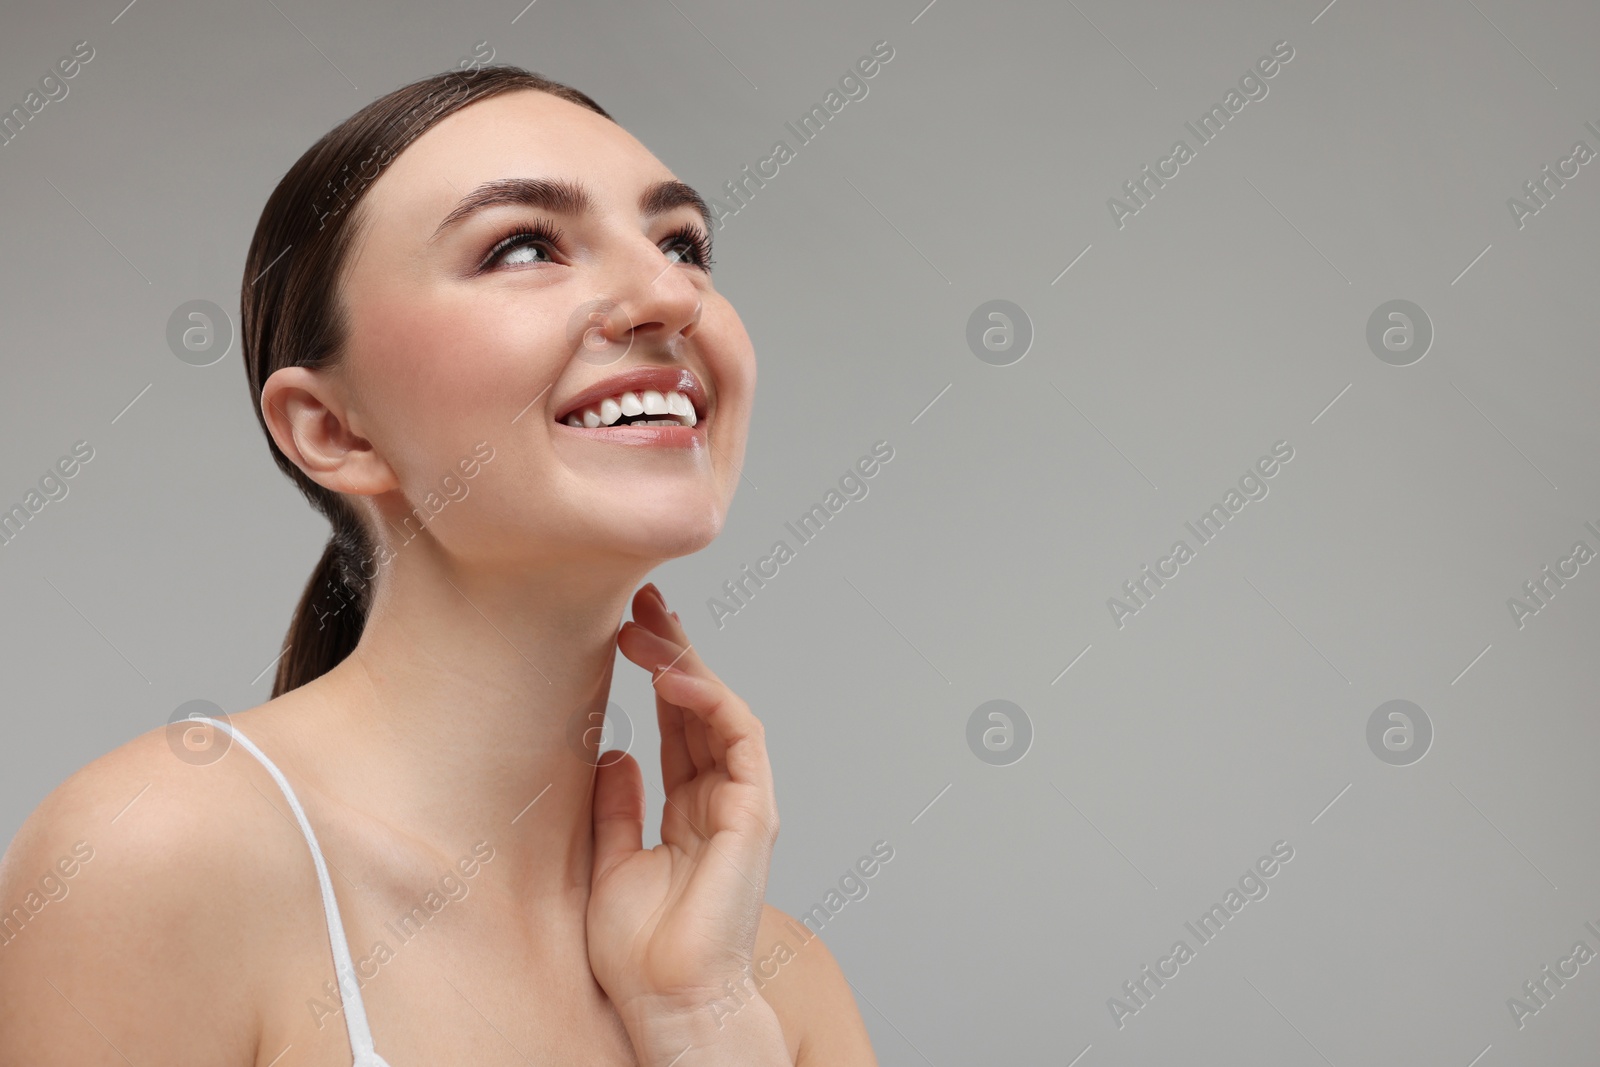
point(355, 1013)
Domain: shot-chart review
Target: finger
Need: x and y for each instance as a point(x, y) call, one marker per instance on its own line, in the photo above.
point(651, 651)
point(730, 718)
point(650, 611)
point(618, 813)
point(648, 650)
point(699, 750)
point(677, 765)
point(707, 748)
point(719, 751)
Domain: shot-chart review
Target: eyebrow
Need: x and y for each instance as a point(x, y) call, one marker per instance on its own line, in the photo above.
point(568, 197)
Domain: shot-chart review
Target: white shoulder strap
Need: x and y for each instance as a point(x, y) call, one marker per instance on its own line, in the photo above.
point(355, 1012)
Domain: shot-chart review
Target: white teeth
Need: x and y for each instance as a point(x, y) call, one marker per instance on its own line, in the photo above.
point(684, 408)
point(678, 409)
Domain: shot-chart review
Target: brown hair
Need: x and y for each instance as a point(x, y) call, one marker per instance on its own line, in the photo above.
point(291, 315)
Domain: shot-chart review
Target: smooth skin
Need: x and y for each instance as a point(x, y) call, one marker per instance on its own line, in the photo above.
point(195, 935)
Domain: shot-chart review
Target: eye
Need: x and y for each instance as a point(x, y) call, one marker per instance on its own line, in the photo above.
point(689, 244)
point(540, 235)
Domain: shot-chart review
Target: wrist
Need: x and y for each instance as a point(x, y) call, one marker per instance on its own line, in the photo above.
point(744, 1032)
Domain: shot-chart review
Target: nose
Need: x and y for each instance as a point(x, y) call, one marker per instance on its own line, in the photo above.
point(653, 300)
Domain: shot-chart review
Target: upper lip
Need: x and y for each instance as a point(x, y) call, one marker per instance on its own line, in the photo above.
point(661, 379)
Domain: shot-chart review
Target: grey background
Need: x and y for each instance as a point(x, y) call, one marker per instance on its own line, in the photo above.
point(1228, 314)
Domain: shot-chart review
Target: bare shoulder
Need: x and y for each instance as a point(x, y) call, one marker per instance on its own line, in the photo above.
point(815, 1005)
point(126, 899)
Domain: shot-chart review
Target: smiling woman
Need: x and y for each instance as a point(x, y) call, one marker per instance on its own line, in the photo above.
point(410, 290)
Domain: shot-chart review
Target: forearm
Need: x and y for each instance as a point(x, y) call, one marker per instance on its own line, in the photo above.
point(748, 1036)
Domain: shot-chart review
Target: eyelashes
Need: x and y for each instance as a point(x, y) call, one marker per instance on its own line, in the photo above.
point(696, 241)
point(540, 233)
point(688, 242)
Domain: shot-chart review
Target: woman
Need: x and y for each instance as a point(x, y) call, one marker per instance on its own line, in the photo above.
point(482, 338)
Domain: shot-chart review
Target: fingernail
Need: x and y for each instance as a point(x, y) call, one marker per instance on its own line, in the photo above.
point(666, 668)
point(674, 614)
point(650, 587)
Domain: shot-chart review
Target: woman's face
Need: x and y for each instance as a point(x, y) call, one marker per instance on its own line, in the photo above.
point(461, 333)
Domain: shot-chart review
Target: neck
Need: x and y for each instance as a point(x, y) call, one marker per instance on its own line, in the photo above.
point(473, 707)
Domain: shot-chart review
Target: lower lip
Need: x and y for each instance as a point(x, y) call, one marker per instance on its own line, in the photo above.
point(643, 436)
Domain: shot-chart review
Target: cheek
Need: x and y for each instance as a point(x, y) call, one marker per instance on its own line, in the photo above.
point(445, 370)
point(731, 359)
point(733, 362)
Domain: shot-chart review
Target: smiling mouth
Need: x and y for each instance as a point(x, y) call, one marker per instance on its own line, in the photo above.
point(642, 407)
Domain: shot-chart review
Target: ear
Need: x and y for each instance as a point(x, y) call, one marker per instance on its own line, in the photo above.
point(306, 416)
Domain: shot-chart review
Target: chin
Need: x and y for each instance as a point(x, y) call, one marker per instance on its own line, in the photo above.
point(671, 530)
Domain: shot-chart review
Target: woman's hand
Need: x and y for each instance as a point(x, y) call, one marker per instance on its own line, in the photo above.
point(672, 928)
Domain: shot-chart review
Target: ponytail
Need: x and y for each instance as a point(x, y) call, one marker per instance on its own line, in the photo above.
point(331, 614)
